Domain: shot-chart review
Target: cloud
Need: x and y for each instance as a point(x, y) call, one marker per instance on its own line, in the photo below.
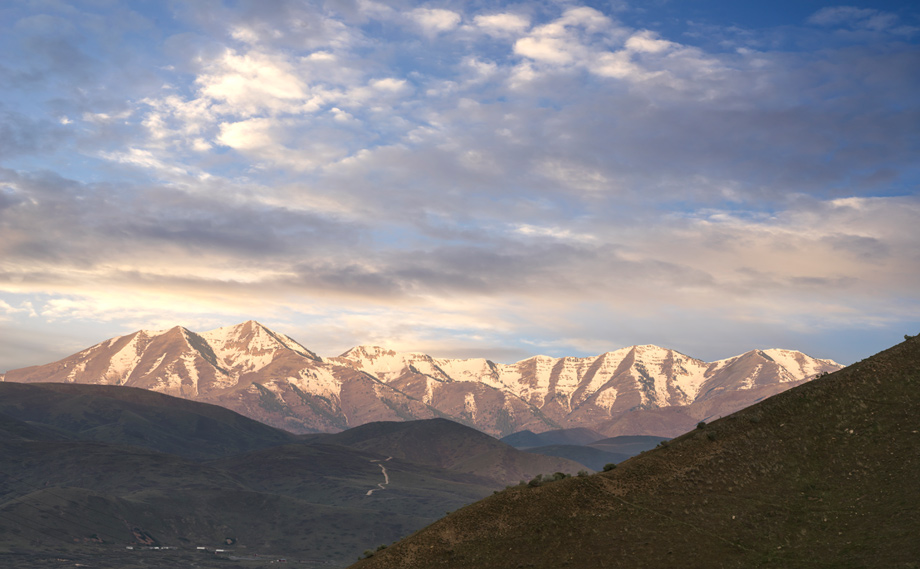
point(20, 134)
point(547, 175)
point(434, 21)
point(253, 83)
point(856, 17)
point(503, 24)
point(562, 41)
point(648, 42)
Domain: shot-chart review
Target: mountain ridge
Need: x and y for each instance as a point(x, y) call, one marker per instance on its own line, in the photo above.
point(640, 389)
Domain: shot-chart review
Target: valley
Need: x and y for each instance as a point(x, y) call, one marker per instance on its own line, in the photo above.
point(92, 470)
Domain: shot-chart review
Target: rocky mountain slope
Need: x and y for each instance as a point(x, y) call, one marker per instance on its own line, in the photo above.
point(823, 475)
point(270, 377)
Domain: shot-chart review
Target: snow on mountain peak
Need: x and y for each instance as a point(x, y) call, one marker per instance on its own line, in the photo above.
point(801, 366)
point(250, 346)
point(539, 392)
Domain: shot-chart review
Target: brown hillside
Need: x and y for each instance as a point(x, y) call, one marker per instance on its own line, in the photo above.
point(824, 475)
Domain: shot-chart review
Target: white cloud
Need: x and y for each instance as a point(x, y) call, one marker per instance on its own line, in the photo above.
point(558, 233)
point(502, 24)
point(548, 49)
point(618, 65)
point(255, 82)
point(588, 18)
point(563, 41)
point(277, 143)
point(244, 34)
point(434, 21)
point(250, 134)
point(648, 42)
point(166, 170)
point(575, 176)
point(25, 307)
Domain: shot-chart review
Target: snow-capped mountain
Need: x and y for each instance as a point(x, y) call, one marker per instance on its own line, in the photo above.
point(271, 377)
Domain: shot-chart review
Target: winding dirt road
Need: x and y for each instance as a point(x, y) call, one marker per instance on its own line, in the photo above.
point(386, 477)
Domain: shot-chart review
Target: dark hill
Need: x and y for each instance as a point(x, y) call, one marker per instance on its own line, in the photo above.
point(577, 436)
point(137, 417)
point(823, 475)
point(630, 445)
point(585, 455)
point(445, 444)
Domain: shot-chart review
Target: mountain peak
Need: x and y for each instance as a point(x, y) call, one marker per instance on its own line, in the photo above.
point(367, 351)
point(249, 346)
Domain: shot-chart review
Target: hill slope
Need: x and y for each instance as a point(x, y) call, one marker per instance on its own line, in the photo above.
point(137, 417)
point(823, 475)
point(86, 471)
point(444, 444)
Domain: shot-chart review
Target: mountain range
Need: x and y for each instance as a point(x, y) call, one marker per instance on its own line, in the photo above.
point(822, 475)
point(268, 376)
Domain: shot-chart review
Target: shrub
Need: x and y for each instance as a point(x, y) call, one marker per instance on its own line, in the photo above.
point(609, 466)
point(701, 425)
point(582, 473)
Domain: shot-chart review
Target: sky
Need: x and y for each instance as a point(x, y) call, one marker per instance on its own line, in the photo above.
point(462, 178)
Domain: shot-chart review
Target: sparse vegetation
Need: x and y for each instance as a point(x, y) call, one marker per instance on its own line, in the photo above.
point(609, 466)
point(541, 479)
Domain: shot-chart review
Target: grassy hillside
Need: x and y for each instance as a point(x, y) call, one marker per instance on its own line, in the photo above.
point(824, 475)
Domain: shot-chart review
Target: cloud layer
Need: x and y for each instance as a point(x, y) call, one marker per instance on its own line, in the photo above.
point(459, 178)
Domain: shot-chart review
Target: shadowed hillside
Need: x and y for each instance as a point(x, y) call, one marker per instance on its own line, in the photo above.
point(137, 417)
point(446, 444)
point(823, 475)
point(99, 476)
